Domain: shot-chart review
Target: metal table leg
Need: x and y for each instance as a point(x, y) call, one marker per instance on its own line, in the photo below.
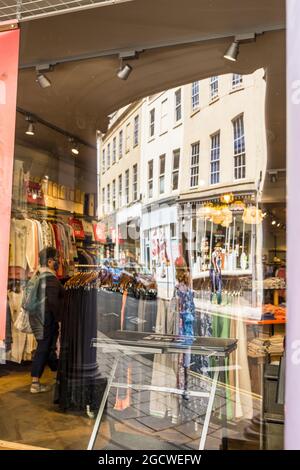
point(102, 404)
point(209, 410)
point(224, 412)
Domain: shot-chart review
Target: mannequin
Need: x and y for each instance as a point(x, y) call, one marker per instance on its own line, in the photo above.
point(215, 274)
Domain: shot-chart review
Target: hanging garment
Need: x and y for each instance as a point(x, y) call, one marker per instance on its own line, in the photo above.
point(18, 243)
point(23, 344)
point(79, 382)
point(46, 234)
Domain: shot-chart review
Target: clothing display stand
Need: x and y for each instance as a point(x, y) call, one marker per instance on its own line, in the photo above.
point(125, 343)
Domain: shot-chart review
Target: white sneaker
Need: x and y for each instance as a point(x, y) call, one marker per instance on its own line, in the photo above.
point(39, 388)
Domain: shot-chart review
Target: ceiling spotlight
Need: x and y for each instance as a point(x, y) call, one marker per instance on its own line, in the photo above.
point(278, 225)
point(30, 129)
point(273, 222)
point(232, 51)
point(74, 147)
point(124, 71)
point(42, 80)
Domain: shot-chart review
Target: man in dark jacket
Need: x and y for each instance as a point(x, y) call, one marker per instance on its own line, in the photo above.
point(51, 292)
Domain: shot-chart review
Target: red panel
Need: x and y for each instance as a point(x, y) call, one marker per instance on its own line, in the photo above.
point(9, 56)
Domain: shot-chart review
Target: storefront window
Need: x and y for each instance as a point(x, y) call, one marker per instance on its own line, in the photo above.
point(147, 271)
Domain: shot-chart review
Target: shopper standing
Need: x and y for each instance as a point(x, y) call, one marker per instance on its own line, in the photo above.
point(44, 322)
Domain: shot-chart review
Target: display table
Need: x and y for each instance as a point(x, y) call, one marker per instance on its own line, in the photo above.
point(271, 323)
point(124, 343)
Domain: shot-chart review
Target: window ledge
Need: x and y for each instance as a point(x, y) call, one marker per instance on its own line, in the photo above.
point(196, 111)
point(177, 124)
point(236, 89)
point(214, 100)
point(163, 133)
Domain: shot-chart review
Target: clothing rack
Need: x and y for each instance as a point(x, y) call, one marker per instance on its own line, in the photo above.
point(63, 212)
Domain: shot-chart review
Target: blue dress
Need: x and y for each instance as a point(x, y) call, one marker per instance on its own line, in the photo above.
point(186, 310)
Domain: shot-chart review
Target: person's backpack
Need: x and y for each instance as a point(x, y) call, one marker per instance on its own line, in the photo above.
point(30, 300)
point(34, 305)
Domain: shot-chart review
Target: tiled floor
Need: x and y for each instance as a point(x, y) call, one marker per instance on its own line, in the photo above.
point(35, 420)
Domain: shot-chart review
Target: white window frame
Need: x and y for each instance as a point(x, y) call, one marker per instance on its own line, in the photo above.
point(108, 156)
point(103, 201)
point(195, 159)
point(214, 87)
point(215, 151)
point(164, 116)
point(162, 174)
point(151, 123)
point(135, 182)
point(108, 197)
point(103, 160)
point(127, 186)
point(150, 180)
point(114, 199)
point(195, 95)
point(175, 170)
point(120, 190)
point(121, 144)
point(236, 81)
point(127, 149)
point(114, 150)
point(136, 131)
point(178, 105)
point(239, 148)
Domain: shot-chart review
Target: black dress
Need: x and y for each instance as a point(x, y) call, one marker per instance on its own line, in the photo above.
point(79, 382)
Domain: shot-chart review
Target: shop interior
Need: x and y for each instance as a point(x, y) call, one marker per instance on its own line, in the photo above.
point(55, 202)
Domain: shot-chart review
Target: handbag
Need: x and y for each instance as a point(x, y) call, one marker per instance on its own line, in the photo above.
point(22, 322)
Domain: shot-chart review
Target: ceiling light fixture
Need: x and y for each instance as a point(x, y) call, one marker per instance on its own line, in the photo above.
point(232, 51)
point(124, 71)
point(74, 147)
point(273, 222)
point(41, 78)
point(30, 129)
